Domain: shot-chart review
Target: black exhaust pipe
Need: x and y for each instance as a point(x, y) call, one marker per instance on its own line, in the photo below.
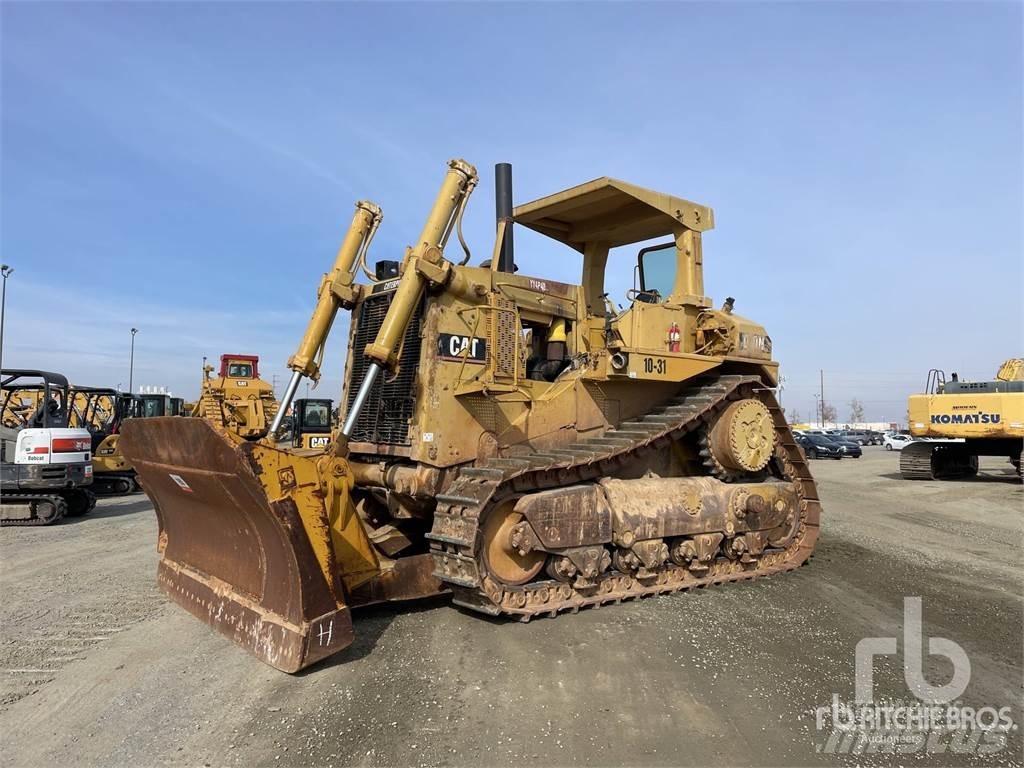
point(503, 209)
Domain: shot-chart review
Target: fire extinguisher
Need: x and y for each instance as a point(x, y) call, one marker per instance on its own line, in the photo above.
point(674, 338)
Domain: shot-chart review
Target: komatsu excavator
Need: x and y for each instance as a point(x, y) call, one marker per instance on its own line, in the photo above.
point(518, 442)
point(962, 420)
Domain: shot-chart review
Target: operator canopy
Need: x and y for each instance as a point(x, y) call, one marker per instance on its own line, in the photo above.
point(611, 212)
point(607, 213)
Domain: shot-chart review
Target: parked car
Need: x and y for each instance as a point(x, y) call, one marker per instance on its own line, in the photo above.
point(860, 436)
point(820, 447)
point(896, 442)
point(852, 448)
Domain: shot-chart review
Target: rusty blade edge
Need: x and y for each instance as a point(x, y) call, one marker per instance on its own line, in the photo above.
point(272, 639)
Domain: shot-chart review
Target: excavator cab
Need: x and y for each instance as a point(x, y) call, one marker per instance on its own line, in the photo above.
point(155, 405)
point(100, 410)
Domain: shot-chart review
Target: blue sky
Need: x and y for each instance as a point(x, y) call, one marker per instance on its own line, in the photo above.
point(190, 168)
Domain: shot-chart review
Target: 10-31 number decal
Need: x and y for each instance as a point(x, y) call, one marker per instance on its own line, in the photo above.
point(655, 365)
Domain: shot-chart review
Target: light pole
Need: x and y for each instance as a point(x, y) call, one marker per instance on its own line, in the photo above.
point(131, 363)
point(822, 371)
point(6, 270)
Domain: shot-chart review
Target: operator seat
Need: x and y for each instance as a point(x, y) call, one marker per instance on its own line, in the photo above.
point(50, 408)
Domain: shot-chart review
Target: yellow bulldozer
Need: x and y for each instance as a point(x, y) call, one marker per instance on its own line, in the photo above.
point(237, 398)
point(962, 420)
point(518, 442)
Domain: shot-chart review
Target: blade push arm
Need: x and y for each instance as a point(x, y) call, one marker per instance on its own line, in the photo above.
point(336, 292)
point(423, 263)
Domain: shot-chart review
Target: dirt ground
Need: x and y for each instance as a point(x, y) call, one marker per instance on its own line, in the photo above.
point(99, 669)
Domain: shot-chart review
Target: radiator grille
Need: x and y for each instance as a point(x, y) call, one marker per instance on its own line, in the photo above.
point(385, 417)
point(506, 332)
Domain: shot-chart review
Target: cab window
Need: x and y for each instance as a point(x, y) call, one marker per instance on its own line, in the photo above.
point(152, 407)
point(316, 415)
point(240, 370)
point(658, 269)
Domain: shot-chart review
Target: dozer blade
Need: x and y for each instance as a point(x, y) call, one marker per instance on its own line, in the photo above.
point(235, 549)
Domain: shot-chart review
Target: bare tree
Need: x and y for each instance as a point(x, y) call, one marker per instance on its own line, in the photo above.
point(856, 411)
point(828, 412)
point(794, 416)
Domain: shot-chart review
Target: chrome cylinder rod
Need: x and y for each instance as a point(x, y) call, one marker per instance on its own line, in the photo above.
point(364, 392)
point(286, 401)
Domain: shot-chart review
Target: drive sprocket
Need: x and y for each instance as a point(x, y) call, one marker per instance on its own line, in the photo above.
point(740, 442)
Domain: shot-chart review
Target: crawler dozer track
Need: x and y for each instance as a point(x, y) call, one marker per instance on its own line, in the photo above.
point(214, 411)
point(462, 512)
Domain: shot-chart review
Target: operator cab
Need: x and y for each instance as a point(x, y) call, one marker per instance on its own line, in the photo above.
point(239, 366)
point(668, 313)
point(311, 422)
point(154, 405)
point(100, 410)
point(33, 400)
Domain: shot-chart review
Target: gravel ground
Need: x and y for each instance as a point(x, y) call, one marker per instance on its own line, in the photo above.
point(99, 669)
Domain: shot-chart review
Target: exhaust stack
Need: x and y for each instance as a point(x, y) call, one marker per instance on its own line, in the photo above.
point(503, 210)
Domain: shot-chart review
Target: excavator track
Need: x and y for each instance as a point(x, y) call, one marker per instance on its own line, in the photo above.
point(114, 484)
point(60, 508)
point(456, 533)
point(926, 461)
point(80, 501)
point(916, 462)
